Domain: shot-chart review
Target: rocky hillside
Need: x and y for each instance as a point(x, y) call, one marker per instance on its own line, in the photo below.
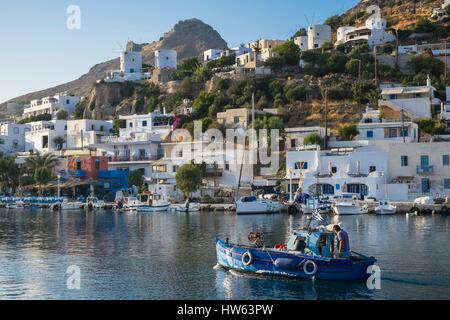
point(401, 14)
point(189, 38)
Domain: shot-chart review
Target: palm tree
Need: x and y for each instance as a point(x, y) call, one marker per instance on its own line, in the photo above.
point(373, 96)
point(47, 160)
point(9, 174)
point(42, 176)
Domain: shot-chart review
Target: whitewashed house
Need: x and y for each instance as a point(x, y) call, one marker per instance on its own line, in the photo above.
point(416, 102)
point(317, 36)
point(41, 136)
point(360, 171)
point(130, 68)
point(295, 137)
point(373, 128)
point(373, 33)
point(84, 133)
point(12, 137)
point(212, 54)
point(51, 105)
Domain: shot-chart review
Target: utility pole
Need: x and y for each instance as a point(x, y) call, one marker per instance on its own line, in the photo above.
point(445, 55)
point(359, 70)
point(326, 119)
point(403, 126)
point(376, 64)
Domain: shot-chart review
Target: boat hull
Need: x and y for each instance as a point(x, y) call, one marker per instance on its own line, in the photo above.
point(152, 209)
point(279, 263)
point(262, 207)
point(348, 210)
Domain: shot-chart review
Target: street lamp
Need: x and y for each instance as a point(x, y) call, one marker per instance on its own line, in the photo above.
point(59, 187)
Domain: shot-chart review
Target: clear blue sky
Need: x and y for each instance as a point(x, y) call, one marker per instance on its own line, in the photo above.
point(38, 51)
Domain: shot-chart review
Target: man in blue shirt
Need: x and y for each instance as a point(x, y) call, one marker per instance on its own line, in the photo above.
point(343, 242)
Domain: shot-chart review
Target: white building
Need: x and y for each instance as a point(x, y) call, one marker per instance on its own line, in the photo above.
point(42, 134)
point(373, 128)
point(212, 54)
point(445, 107)
point(138, 144)
point(51, 105)
point(416, 102)
point(237, 51)
point(317, 36)
point(422, 169)
point(130, 68)
point(373, 33)
point(166, 59)
point(330, 173)
point(295, 137)
point(12, 137)
point(84, 133)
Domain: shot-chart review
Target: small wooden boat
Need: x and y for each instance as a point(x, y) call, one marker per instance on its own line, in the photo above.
point(187, 207)
point(307, 255)
point(348, 204)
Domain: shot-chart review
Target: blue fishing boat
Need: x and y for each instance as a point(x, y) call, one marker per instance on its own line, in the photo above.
point(307, 255)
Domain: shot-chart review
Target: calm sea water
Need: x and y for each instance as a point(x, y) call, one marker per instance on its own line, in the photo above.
point(172, 256)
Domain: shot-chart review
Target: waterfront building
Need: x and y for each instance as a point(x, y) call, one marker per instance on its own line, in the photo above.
point(12, 137)
point(130, 68)
point(373, 33)
point(332, 172)
point(415, 102)
point(51, 105)
point(422, 169)
point(317, 36)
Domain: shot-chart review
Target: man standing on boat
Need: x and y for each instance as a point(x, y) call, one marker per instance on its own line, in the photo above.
point(343, 242)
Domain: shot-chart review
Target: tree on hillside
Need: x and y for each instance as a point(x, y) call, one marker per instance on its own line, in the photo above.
point(360, 89)
point(189, 179)
point(334, 22)
point(300, 33)
point(290, 52)
point(426, 65)
point(348, 132)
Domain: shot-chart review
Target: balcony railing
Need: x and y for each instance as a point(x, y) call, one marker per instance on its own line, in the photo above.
point(425, 169)
point(133, 158)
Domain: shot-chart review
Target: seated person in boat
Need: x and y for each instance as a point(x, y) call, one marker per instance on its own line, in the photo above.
point(255, 240)
point(343, 242)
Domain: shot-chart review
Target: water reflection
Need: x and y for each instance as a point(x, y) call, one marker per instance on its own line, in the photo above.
point(171, 256)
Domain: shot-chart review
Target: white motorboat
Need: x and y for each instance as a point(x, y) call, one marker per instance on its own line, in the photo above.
point(154, 203)
point(69, 206)
point(131, 203)
point(348, 204)
point(385, 208)
point(94, 203)
point(253, 205)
